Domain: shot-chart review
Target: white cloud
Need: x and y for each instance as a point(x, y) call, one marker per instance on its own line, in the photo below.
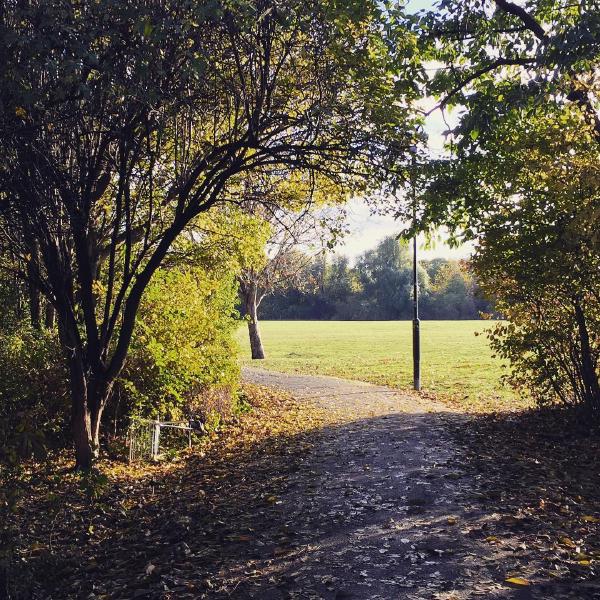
point(367, 230)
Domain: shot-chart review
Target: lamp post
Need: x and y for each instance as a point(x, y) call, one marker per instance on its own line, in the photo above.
point(416, 331)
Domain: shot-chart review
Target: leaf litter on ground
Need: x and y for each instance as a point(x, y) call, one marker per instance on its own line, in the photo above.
point(529, 514)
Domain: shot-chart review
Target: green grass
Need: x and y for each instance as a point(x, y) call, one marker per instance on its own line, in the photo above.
point(457, 364)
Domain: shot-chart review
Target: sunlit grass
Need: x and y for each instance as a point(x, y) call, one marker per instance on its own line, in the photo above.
point(457, 364)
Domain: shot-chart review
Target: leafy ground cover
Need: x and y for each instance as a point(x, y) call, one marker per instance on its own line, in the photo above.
point(126, 531)
point(457, 363)
point(538, 483)
point(262, 509)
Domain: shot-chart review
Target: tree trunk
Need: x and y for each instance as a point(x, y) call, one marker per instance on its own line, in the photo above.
point(95, 419)
point(34, 305)
point(35, 311)
point(256, 346)
point(89, 396)
point(98, 395)
point(589, 375)
point(81, 424)
point(49, 316)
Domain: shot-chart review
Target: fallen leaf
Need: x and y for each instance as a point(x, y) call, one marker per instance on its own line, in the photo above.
point(590, 519)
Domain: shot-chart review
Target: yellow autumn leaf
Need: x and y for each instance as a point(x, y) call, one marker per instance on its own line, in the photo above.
point(590, 519)
point(20, 112)
point(554, 573)
point(451, 520)
point(517, 581)
point(585, 563)
point(36, 547)
point(98, 288)
point(567, 542)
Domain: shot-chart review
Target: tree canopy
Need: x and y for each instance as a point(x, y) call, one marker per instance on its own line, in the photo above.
point(122, 122)
point(519, 174)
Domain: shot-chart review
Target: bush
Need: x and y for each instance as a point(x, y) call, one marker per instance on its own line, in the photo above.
point(183, 361)
point(183, 358)
point(552, 355)
point(33, 394)
point(540, 257)
point(33, 406)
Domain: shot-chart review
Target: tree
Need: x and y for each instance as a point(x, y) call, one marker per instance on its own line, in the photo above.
point(122, 122)
point(524, 77)
point(286, 258)
point(341, 281)
point(492, 58)
point(498, 54)
point(452, 294)
point(385, 274)
point(291, 209)
point(540, 255)
point(532, 193)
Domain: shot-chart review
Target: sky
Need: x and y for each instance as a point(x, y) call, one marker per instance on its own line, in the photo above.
point(367, 229)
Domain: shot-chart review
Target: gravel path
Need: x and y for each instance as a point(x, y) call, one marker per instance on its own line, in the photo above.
point(380, 508)
point(355, 397)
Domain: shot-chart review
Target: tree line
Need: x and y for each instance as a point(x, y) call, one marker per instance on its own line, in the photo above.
point(378, 287)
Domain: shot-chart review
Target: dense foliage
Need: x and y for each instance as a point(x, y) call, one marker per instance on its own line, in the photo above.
point(521, 177)
point(378, 287)
point(540, 253)
point(121, 122)
point(183, 355)
point(493, 57)
point(33, 394)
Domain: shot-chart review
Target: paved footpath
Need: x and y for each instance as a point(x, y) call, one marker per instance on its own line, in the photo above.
point(380, 507)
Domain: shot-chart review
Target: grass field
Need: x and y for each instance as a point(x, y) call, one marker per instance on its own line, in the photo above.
point(457, 365)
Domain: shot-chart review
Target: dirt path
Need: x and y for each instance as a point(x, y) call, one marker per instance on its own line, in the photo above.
point(380, 507)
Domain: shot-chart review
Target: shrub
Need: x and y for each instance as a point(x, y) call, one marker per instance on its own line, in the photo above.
point(540, 258)
point(33, 393)
point(183, 357)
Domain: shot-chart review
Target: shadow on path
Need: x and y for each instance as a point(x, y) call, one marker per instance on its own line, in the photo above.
point(380, 503)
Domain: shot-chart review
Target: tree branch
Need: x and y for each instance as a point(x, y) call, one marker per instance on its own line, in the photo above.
point(501, 62)
point(528, 20)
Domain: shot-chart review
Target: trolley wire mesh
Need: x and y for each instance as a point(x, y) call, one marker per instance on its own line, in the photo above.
point(148, 439)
